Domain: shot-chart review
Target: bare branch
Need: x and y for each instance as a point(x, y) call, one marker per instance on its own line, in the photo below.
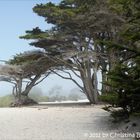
point(64, 62)
point(69, 78)
point(76, 74)
point(42, 79)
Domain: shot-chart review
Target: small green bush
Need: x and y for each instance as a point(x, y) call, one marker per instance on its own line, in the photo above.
point(5, 101)
point(109, 98)
point(39, 97)
point(43, 99)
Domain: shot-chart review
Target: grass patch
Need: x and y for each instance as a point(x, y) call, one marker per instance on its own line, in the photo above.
point(5, 101)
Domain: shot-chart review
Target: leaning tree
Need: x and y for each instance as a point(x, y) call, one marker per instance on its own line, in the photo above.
point(25, 71)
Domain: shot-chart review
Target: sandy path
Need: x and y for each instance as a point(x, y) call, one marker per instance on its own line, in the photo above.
point(54, 123)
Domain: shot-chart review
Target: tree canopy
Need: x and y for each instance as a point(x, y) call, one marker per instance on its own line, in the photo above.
point(87, 37)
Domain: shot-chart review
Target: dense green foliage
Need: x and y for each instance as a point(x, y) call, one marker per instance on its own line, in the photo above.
point(125, 76)
point(112, 99)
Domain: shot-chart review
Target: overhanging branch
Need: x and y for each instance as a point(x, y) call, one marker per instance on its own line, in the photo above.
point(42, 79)
point(69, 78)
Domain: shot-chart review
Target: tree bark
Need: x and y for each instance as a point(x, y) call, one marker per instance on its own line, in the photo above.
point(90, 91)
point(23, 100)
point(30, 86)
point(95, 84)
point(89, 88)
point(21, 97)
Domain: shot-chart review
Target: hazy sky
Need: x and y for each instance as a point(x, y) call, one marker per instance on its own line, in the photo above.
point(16, 16)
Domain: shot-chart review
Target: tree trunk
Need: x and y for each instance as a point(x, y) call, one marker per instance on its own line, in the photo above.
point(30, 86)
point(95, 81)
point(104, 79)
point(23, 100)
point(21, 97)
point(18, 87)
point(90, 92)
point(89, 88)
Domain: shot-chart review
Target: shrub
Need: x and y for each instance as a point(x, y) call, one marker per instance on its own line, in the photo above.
point(5, 101)
point(109, 98)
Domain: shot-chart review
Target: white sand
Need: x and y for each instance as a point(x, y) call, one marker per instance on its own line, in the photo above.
point(55, 123)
